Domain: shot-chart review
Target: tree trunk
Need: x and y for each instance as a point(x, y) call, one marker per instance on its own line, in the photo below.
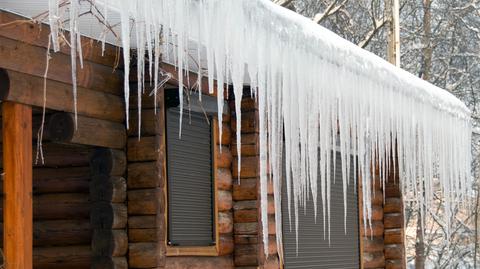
point(427, 38)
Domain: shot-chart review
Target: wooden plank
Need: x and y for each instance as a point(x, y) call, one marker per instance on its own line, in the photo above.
point(27, 89)
point(25, 58)
point(18, 205)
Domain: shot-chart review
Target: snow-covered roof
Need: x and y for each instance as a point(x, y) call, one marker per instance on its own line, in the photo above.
point(310, 85)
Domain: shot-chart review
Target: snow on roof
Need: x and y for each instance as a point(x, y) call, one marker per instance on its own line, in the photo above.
point(310, 85)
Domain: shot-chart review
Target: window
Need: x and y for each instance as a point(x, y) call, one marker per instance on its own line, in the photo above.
point(313, 250)
point(191, 216)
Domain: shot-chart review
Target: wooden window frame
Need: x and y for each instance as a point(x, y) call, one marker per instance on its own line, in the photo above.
point(213, 250)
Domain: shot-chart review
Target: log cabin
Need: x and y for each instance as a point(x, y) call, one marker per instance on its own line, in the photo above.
point(75, 197)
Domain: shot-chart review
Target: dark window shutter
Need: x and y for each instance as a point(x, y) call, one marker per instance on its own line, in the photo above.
point(190, 181)
point(313, 250)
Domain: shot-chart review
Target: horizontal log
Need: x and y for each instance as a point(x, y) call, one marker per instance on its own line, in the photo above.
point(375, 230)
point(144, 175)
point(61, 206)
point(145, 202)
point(144, 235)
point(377, 213)
point(393, 220)
point(223, 158)
point(107, 161)
point(271, 225)
point(107, 134)
point(146, 255)
point(23, 29)
point(190, 80)
point(248, 104)
point(393, 205)
point(272, 245)
point(377, 198)
point(373, 260)
point(394, 252)
point(143, 222)
point(152, 122)
point(27, 89)
point(249, 167)
point(72, 257)
point(226, 245)
point(148, 101)
point(59, 180)
point(225, 222)
point(373, 244)
point(109, 263)
point(246, 150)
point(59, 155)
point(224, 200)
point(59, 233)
point(395, 264)
point(245, 228)
point(146, 149)
point(392, 190)
point(249, 123)
point(246, 255)
point(246, 190)
point(245, 204)
point(245, 215)
point(108, 188)
point(394, 236)
point(111, 243)
point(223, 178)
point(225, 262)
point(108, 215)
point(226, 138)
point(25, 58)
point(245, 239)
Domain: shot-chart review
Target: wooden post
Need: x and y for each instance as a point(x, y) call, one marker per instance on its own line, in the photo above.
point(17, 157)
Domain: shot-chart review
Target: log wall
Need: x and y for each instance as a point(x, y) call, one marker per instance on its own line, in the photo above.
point(79, 193)
point(246, 195)
point(147, 202)
point(383, 244)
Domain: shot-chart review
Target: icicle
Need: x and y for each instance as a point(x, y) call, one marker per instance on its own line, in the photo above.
point(125, 24)
point(73, 52)
point(53, 18)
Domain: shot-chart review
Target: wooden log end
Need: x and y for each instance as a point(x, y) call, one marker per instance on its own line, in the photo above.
point(4, 84)
point(61, 127)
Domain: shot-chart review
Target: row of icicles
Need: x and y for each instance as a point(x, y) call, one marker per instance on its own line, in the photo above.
point(316, 94)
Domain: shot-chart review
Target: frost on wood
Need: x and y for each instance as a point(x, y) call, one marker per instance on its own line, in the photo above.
point(314, 91)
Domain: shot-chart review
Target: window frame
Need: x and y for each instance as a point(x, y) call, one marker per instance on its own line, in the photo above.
point(207, 250)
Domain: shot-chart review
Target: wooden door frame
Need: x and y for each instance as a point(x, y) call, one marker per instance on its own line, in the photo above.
point(17, 185)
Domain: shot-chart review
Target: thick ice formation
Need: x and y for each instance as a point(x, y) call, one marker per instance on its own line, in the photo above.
point(313, 89)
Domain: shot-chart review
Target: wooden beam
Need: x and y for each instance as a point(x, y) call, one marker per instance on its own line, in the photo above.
point(17, 214)
point(28, 89)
